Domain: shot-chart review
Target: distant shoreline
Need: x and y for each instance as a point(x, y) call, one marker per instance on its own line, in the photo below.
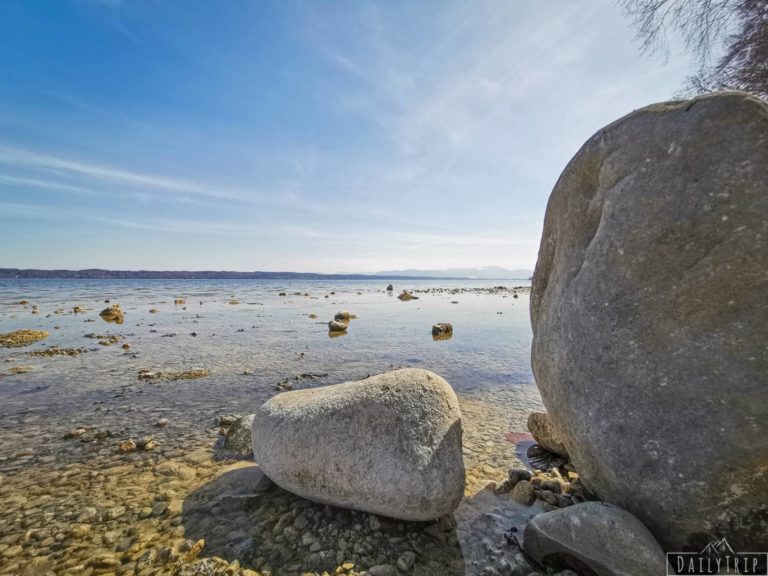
point(99, 274)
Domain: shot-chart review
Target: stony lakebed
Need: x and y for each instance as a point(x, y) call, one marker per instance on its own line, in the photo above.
point(113, 428)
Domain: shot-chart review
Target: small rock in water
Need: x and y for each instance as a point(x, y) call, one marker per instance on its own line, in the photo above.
point(147, 443)
point(336, 326)
point(441, 328)
point(113, 314)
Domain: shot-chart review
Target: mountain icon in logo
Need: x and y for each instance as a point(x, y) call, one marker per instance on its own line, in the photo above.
point(718, 548)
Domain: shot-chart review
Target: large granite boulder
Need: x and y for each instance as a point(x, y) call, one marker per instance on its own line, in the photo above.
point(389, 444)
point(594, 538)
point(649, 308)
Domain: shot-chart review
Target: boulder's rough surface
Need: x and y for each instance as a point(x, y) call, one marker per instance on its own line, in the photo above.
point(605, 539)
point(649, 309)
point(541, 429)
point(389, 444)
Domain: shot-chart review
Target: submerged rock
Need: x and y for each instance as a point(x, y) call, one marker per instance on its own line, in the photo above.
point(604, 539)
point(113, 314)
point(21, 338)
point(389, 444)
point(174, 375)
point(55, 351)
point(649, 317)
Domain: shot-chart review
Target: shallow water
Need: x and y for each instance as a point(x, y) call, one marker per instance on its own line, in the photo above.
point(249, 347)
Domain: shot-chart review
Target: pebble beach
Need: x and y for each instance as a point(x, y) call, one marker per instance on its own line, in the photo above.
point(111, 460)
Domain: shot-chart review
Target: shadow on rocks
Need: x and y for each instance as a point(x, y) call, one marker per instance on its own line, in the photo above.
point(243, 516)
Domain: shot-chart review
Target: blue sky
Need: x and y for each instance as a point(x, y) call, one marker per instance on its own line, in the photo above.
point(296, 135)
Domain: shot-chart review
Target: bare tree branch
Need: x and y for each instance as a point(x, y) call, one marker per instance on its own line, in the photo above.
point(737, 29)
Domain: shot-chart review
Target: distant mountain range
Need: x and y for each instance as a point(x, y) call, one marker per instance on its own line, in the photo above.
point(490, 272)
point(484, 273)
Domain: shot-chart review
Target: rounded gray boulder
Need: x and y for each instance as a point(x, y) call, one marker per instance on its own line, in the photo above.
point(389, 444)
point(649, 308)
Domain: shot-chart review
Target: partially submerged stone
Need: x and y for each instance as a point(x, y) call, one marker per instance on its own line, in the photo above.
point(174, 375)
point(441, 328)
point(604, 539)
point(21, 338)
point(337, 326)
point(389, 444)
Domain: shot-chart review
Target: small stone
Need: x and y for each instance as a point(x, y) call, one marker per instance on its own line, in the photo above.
point(80, 530)
point(523, 493)
point(162, 422)
point(128, 446)
point(518, 474)
point(159, 508)
point(405, 561)
point(114, 513)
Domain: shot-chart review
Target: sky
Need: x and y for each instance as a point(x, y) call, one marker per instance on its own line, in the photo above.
point(313, 136)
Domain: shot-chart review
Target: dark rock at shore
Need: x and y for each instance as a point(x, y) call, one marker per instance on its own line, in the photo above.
point(649, 309)
point(594, 538)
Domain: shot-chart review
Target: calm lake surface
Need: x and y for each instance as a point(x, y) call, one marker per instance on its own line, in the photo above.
point(249, 347)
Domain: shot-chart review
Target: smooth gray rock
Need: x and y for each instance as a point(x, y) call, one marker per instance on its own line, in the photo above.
point(607, 540)
point(649, 308)
point(389, 444)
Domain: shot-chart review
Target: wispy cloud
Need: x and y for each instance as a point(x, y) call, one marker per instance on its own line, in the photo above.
point(20, 157)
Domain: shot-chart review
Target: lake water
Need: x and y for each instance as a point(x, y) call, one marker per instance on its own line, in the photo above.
point(251, 340)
